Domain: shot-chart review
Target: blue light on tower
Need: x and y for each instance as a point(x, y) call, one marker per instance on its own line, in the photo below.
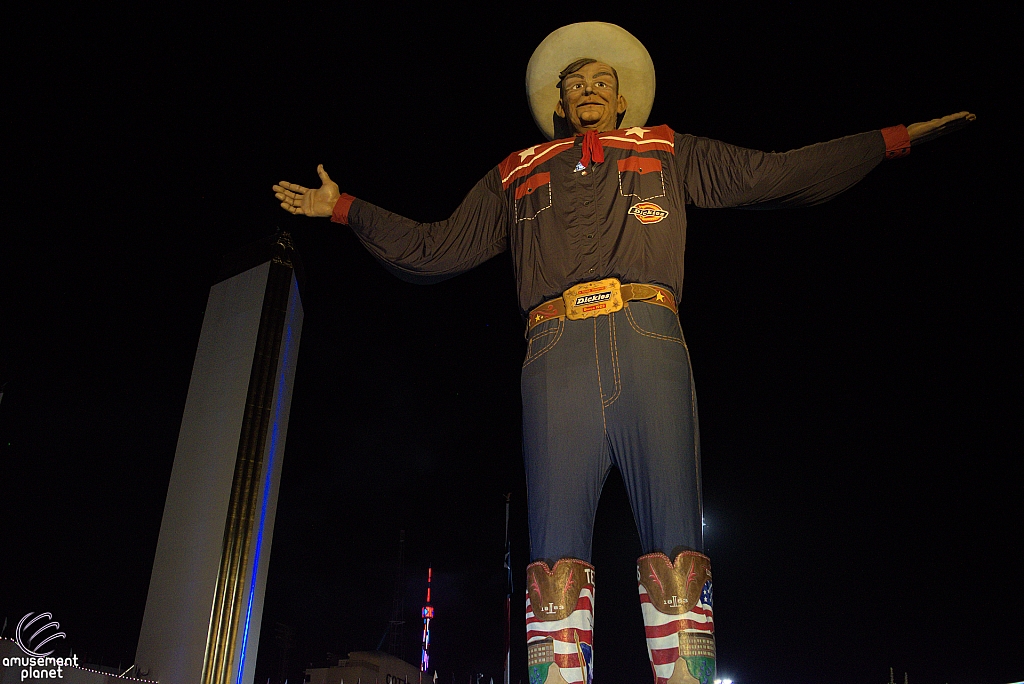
point(279, 392)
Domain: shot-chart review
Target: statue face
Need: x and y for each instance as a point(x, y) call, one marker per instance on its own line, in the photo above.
point(590, 99)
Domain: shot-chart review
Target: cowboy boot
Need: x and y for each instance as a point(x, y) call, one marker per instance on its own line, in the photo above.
point(676, 603)
point(560, 622)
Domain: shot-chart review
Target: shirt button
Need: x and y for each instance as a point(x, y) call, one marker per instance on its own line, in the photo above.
point(583, 173)
point(590, 235)
point(585, 202)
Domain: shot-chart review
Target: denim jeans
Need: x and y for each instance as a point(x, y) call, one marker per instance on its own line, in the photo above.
point(611, 390)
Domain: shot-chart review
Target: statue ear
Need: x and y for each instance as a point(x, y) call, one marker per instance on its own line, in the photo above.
point(621, 109)
point(560, 126)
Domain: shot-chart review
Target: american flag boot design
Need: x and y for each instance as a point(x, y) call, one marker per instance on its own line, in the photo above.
point(675, 598)
point(560, 622)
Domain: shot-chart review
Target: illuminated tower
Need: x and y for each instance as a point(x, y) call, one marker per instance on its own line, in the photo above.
point(205, 603)
point(428, 614)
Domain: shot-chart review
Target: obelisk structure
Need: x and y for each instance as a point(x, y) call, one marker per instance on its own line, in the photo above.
point(205, 603)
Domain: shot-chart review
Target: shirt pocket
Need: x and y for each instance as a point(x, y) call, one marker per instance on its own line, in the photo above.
point(533, 196)
point(641, 177)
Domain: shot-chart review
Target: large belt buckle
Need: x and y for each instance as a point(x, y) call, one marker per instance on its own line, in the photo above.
point(596, 298)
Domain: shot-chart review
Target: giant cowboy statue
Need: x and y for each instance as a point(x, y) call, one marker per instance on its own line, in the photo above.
point(596, 221)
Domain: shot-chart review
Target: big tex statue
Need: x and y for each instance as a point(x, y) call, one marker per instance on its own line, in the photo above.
point(596, 221)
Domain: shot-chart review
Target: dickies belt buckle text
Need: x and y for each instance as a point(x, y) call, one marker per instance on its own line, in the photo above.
point(596, 298)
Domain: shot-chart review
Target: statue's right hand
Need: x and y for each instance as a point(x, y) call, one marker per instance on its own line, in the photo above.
point(296, 199)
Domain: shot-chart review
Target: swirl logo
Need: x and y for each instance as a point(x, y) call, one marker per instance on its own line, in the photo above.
point(34, 642)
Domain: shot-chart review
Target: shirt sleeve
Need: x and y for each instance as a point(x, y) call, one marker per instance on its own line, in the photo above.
point(432, 252)
point(716, 174)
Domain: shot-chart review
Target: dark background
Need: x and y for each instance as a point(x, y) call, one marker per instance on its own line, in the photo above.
point(857, 363)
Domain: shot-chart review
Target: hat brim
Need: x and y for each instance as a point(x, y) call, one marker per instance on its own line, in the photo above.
point(598, 40)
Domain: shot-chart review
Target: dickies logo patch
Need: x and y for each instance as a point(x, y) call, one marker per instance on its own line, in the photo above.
point(593, 298)
point(647, 212)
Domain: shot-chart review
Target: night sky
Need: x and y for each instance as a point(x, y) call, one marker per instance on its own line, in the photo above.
point(857, 363)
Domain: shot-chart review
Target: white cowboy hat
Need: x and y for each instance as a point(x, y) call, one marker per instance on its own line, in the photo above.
point(606, 43)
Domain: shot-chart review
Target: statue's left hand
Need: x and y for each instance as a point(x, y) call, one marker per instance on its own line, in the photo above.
point(929, 130)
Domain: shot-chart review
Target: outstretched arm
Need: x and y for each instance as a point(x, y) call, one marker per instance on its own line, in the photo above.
point(297, 199)
point(929, 130)
point(414, 251)
point(721, 175)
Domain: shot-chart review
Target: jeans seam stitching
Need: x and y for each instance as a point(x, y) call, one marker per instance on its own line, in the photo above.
point(542, 334)
point(600, 388)
point(545, 350)
point(612, 341)
point(633, 324)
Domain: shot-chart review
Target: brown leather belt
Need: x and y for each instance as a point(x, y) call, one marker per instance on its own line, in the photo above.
point(631, 292)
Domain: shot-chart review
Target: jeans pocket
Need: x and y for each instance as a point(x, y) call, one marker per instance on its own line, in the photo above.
point(658, 322)
point(543, 339)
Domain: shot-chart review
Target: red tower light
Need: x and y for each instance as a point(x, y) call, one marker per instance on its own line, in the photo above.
point(428, 615)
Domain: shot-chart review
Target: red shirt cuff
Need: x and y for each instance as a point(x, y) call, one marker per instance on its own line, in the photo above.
point(897, 141)
point(341, 208)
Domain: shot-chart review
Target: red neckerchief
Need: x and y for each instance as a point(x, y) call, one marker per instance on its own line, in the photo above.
point(591, 148)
